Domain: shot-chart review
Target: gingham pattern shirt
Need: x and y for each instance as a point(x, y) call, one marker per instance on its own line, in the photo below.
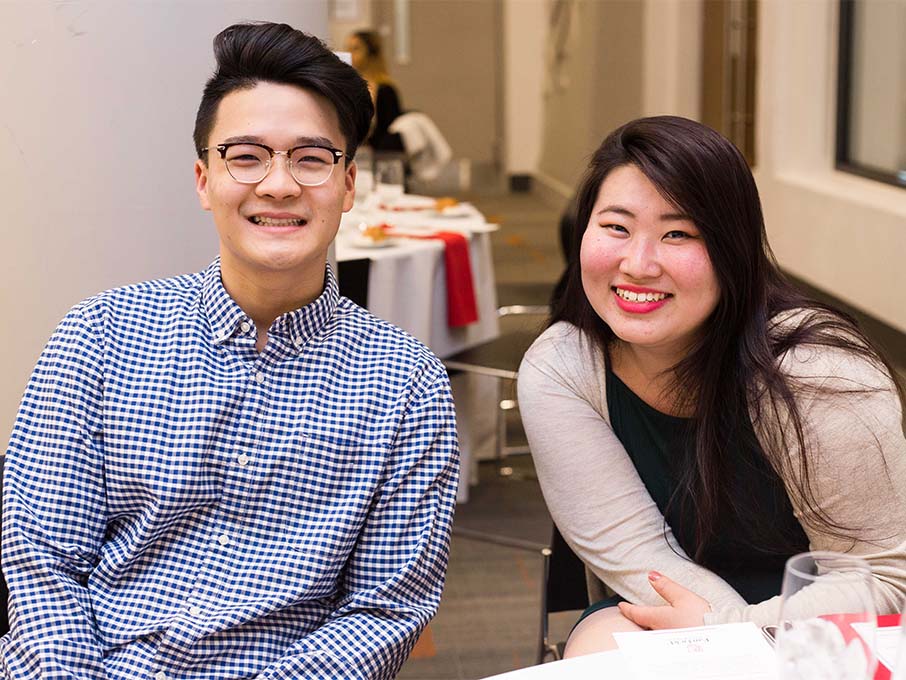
point(177, 505)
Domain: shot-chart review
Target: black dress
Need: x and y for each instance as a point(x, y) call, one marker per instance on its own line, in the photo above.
point(387, 109)
point(658, 445)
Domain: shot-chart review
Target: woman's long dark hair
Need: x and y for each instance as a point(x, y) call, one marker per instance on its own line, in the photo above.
point(732, 372)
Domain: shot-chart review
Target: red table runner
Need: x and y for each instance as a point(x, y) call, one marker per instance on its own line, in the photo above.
point(462, 309)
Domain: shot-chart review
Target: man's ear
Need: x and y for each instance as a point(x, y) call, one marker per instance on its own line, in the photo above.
point(201, 184)
point(349, 179)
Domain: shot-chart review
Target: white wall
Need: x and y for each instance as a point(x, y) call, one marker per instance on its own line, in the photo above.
point(347, 16)
point(623, 59)
point(673, 58)
point(524, 38)
point(841, 233)
point(96, 155)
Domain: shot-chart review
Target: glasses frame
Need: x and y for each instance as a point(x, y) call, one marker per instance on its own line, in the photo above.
point(223, 148)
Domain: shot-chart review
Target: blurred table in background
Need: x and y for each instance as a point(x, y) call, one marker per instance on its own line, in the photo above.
point(403, 280)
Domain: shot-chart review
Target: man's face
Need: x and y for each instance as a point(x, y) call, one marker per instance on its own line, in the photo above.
point(276, 226)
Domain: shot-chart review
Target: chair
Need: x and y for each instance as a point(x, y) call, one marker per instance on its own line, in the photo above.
point(563, 588)
point(427, 151)
point(499, 358)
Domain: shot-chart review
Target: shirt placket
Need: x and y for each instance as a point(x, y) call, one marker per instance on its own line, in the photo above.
point(244, 443)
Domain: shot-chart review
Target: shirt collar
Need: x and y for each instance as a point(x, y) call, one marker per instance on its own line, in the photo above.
point(296, 327)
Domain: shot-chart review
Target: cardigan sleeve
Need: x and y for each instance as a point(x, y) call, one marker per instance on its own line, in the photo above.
point(854, 434)
point(591, 487)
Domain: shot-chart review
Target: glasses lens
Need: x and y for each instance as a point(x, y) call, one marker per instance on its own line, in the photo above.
point(311, 165)
point(247, 163)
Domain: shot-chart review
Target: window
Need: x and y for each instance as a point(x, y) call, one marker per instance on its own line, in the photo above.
point(871, 97)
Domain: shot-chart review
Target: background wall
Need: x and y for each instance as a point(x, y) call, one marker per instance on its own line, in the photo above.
point(607, 63)
point(96, 155)
point(839, 232)
point(524, 37)
point(593, 82)
point(453, 73)
point(672, 61)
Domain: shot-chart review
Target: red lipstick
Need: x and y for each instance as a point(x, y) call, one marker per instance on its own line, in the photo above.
point(639, 306)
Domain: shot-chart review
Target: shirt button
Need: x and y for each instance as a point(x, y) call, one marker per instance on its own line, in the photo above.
point(160, 675)
point(223, 539)
point(297, 341)
point(195, 611)
point(242, 459)
point(259, 377)
point(245, 327)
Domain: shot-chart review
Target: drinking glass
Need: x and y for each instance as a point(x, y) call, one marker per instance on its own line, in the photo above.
point(835, 644)
point(389, 174)
point(364, 178)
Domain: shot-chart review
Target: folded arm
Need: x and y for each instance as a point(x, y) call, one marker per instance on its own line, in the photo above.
point(857, 466)
point(591, 487)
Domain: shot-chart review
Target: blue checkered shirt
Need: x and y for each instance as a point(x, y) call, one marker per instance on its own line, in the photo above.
point(177, 505)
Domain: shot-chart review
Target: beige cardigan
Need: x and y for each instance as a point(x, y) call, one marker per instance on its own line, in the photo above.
point(595, 496)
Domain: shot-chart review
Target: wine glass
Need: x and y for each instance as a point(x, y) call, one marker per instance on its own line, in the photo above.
point(390, 177)
point(364, 179)
point(827, 618)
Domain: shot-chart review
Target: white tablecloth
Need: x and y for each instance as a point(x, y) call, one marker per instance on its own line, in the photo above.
point(407, 287)
point(406, 284)
point(601, 666)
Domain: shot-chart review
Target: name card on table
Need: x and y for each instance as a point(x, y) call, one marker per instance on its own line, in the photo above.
point(733, 651)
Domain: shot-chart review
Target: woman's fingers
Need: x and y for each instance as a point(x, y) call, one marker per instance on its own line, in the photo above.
point(684, 608)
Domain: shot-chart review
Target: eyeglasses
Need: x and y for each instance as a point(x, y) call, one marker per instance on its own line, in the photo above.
point(249, 163)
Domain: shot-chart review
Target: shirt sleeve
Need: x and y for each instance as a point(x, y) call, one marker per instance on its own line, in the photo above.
point(54, 511)
point(394, 578)
point(593, 492)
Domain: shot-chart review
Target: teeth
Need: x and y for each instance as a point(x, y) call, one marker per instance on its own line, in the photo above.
point(631, 296)
point(270, 222)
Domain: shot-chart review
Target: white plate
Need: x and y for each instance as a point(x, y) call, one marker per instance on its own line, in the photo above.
point(409, 202)
point(459, 210)
point(359, 241)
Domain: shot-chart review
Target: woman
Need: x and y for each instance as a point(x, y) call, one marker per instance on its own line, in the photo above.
point(368, 60)
point(695, 420)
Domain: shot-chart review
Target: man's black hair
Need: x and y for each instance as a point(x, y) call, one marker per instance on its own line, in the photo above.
point(250, 53)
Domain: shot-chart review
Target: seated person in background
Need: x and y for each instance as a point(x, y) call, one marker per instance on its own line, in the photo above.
point(235, 473)
point(694, 420)
point(368, 59)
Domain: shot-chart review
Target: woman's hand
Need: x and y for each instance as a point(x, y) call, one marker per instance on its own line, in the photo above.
point(683, 609)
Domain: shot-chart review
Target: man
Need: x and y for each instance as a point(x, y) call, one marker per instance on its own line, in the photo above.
point(236, 473)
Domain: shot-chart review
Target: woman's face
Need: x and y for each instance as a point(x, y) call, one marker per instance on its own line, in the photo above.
point(359, 52)
point(645, 268)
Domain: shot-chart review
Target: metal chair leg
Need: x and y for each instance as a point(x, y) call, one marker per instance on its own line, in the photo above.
point(543, 645)
point(500, 445)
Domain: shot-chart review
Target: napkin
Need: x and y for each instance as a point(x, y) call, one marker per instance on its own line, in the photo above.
point(461, 306)
point(843, 622)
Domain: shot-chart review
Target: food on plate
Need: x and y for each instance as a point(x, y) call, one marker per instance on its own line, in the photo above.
point(376, 232)
point(445, 202)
